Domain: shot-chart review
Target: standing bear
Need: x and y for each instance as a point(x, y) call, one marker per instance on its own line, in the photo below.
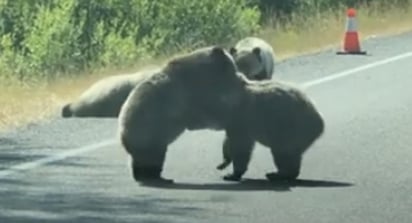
point(254, 57)
point(203, 90)
point(105, 97)
point(280, 117)
point(198, 90)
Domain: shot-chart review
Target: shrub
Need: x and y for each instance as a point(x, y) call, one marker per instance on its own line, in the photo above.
point(48, 38)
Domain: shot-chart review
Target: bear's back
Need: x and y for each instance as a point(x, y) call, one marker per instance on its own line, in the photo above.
point(282, 110)
point(194, 90)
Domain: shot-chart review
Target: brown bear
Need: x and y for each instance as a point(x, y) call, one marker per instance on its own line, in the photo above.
point(202, 90)
point(197, 90)
point(254, 57)
point(277, 115)
point(105, 97)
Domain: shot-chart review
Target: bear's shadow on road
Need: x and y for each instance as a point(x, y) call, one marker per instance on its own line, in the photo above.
point(248, 184)
point(24, 201)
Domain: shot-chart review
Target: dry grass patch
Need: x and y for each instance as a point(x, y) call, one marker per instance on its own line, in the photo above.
point(326, 30)
point(20, 105)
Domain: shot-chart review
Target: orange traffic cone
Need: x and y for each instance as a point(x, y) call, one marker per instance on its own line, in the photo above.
point(351, 40)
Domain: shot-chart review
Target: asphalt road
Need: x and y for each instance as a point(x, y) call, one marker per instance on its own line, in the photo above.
point(71, 170)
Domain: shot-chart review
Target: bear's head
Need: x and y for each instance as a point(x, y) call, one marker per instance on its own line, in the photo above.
point(249, 62)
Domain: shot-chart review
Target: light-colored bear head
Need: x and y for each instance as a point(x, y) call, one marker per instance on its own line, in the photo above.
point(249, 62)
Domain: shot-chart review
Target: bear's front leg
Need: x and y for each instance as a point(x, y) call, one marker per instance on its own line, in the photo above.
point(275, 176)
point(147, 165)
point(241, 146)
point(148, 174)
point(235, 176)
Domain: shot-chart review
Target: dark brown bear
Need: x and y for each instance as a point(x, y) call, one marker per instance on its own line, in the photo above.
point(203, 90)
point(280, 117)
point(198, 90)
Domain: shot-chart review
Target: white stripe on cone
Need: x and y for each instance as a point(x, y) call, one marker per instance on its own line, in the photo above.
point(351, 25)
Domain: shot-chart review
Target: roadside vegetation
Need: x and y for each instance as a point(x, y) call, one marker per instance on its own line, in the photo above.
point(51, 50)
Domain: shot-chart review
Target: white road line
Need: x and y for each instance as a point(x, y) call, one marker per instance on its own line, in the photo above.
point(85, 149)
point(356, 70)
point(54, 158)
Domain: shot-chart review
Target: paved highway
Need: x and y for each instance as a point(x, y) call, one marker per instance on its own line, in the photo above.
point(73, 170)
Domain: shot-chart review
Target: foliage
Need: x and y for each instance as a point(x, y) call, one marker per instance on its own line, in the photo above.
point(43, 39)
point(48, 38)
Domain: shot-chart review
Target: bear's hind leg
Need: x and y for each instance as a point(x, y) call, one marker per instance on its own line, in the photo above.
point(226, 155)
point(240, 150)
point(288, 164)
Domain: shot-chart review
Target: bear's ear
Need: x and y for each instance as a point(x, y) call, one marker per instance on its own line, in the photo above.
point(232, 51)
point(257, 52)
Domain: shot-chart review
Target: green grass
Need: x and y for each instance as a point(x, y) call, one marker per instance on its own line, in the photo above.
point(20, 105)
